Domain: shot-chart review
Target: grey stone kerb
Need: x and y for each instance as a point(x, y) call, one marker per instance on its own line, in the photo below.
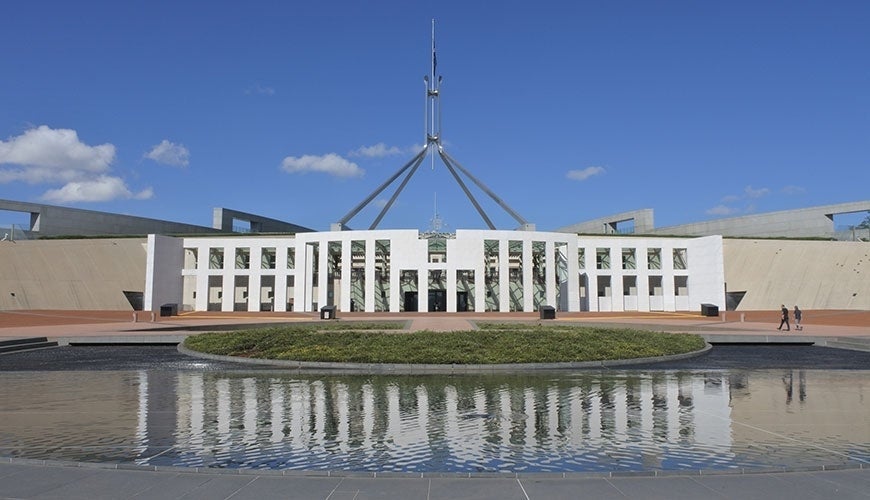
point(434, 369)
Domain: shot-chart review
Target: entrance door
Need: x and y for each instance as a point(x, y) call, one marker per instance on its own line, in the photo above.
point(461, 301)
point(410, 301)
point(437, 300)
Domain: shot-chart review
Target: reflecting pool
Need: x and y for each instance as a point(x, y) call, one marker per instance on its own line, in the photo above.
point(579, 421)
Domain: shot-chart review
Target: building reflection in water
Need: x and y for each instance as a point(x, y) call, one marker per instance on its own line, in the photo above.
point(557, 422)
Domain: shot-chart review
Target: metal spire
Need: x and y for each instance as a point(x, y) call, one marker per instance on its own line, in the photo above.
point(432, 146)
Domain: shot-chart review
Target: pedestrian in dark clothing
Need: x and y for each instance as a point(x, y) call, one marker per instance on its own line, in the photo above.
point(797, 318)
point(784, 320)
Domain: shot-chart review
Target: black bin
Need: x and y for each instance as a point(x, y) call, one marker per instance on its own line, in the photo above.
point(169, 310)
point(328, 312)
point(548, 312)
point(709, 310)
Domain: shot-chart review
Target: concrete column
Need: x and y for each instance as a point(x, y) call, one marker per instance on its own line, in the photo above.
point(504, 279)
point(528, 285)
point(550, 263)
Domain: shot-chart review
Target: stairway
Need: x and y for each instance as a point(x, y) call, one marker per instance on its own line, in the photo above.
point(25, 344)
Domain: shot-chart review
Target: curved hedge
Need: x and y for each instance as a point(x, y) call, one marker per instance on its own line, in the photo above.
point(492, 344)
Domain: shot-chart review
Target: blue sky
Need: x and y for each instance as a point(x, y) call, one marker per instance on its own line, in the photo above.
point(567, 110)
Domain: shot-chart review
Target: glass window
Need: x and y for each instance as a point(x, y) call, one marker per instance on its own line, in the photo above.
point(243, 258)
point(629, 259)
point(680, 259)
point(602, 258)
point(267, 259)
point(654, 258)
point(215, 258)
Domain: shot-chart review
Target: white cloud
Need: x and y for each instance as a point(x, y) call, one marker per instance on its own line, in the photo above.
point(582, 175)
point(44, 154)
point(755, 193)
point(259, 90)
point(103, 188)
point(722, 210)
point(379, 150)
point(331, 164)
point(169, 153)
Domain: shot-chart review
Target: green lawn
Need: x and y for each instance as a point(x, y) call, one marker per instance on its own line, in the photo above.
point(493, 343)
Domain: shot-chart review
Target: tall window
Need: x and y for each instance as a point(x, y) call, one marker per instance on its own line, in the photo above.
point(243, 258)
point(215, 258)
point(654, 258)
point(267, 259)
point(680, 259)
point(602, 258)
point(629, 259)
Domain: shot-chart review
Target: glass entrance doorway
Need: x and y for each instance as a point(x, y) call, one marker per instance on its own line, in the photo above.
point(437, 300)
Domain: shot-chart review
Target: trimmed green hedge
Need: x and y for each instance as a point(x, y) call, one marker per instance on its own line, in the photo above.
point(492, 344)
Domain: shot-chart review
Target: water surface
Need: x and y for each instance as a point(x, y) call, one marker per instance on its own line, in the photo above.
point(576, 421)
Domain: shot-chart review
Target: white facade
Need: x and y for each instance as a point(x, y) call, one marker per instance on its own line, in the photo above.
point(400, 270)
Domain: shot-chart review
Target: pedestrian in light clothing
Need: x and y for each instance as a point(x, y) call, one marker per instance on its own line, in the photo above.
point(784, 318)
point(797, 318)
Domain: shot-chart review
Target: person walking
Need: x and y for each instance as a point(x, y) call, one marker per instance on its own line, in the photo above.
point(784, 318)
point(797, 318)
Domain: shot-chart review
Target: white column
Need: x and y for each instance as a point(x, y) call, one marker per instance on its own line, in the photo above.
point(528, 285)
point(504, 279)
point(573, 276)
point(550, 263)
point(451, 288)
point(346, 260)
point(323, 274)
point(370, 275)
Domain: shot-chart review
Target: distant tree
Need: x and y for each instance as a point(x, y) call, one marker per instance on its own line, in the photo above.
point(865, 223)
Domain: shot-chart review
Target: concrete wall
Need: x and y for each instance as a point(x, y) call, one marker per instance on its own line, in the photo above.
point(813, 222)
point(51, 220)
point(810, 274)
point(71, 274)
point(163, 283)
point(222, 219)
point(643, 223)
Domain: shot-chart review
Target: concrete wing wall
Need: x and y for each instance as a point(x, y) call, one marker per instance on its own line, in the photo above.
point(801, 223)
point(71, 274)
point(810, 274)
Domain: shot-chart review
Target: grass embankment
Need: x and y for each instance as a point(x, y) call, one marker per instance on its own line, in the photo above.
point(493, 343)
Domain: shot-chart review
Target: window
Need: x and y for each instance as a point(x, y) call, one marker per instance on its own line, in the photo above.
point(243, 258)
point(602, 258)
point(654, 258)
point(215, 258)
point(629, 259)
point(680, 259)
point(191, 258)
point(581, 258)
point(267, 259)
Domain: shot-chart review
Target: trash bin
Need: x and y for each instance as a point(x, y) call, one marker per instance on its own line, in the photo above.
point(709, 310)
point(548, 312)
point(169, 310)
point(327, 312)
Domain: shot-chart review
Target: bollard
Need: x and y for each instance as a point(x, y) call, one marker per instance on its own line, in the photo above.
point(153, 316)
point(135, 317)
point(742, 317)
